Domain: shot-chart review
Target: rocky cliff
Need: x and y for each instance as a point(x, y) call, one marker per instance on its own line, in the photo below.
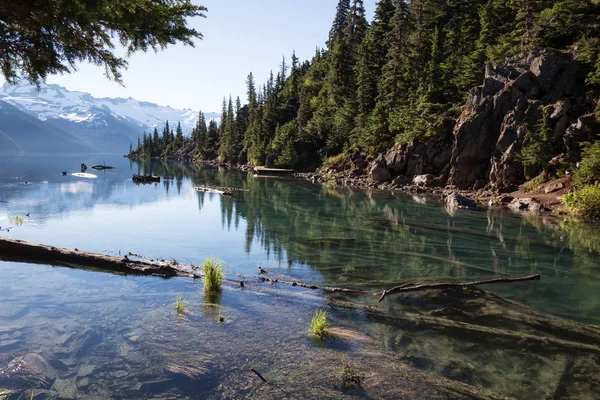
point(482, 147)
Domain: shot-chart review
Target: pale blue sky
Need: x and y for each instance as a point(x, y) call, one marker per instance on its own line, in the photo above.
point(239, 36)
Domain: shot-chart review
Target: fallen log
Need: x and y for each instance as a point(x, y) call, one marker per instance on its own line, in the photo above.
point(21, 251)
point(440, 286)
point(226, 191)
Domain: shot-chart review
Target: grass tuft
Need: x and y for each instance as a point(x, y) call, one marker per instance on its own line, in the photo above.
point(213, 275)
point(348, 376)
point(319, 326)
point(179, 305)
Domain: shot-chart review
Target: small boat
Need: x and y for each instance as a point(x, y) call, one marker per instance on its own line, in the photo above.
point(145, 178)
point(99, 167)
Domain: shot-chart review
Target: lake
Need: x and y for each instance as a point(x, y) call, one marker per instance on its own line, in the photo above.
point(71, 333)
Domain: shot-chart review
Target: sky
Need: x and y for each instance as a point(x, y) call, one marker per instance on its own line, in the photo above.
point(239, 36)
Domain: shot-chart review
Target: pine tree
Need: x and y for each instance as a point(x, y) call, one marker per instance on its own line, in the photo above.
point(200, 134)
point(156, 143)
point(166, 135)
point(391, 83)
point(179, 135)
point(212, 139)
point(340, 21)
point(372, 57)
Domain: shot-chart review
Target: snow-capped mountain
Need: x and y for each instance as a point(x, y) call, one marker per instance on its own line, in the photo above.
point(107, 124)
point(54, 101)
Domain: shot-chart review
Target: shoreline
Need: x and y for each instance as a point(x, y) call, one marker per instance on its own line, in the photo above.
point(539, 201)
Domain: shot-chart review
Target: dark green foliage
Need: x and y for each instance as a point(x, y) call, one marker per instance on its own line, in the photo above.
point(200, 135)
point(589, 169)
point(399, 78)
point(537, 146)
point(154, 145)
point(43, 37)
point(585, 202)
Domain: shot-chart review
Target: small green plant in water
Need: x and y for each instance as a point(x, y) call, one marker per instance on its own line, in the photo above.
point(319, 326)
point(213, 275)
point(179, 305)
point(348, 376)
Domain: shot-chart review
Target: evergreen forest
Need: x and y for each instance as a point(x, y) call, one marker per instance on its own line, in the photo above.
point(388, 81)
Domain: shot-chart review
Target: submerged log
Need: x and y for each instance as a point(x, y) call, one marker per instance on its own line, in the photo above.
point(278, 278)
point(440, 286)
point(21, 251)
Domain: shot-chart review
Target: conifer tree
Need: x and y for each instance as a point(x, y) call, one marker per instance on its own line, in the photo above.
point(372, 57)
point(200, 134)
point(212, 139)
point(179, 135)
point(391, 83)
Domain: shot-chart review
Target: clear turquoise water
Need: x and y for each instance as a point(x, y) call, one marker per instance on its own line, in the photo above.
point(317, 234)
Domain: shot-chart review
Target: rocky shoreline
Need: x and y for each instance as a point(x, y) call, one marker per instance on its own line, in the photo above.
point(547, 198)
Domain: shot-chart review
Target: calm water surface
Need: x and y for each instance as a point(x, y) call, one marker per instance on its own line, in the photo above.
point(97, 333)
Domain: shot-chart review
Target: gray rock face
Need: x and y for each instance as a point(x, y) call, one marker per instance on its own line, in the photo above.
point(490, 133)
point(481, 147)
point(586, 129)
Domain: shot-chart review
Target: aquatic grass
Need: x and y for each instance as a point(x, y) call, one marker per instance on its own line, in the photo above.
point(319, 326)
point(179, 305)
point(213, 275)
point(348, 376)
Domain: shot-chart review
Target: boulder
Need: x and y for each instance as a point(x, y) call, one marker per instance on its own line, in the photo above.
point(458, 201)
point(423, 180)
point(554, 187)
point(380, 174)
point(357, 172)
point(402, 180)
point(525, 204)
point(396, 158)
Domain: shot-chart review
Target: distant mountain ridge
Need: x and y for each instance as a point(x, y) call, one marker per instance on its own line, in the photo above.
point(22, 133)
point(106, 125)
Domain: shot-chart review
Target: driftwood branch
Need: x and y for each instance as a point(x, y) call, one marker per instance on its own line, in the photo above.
point(440, 286)
point(284, 279)
point(21, 251)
